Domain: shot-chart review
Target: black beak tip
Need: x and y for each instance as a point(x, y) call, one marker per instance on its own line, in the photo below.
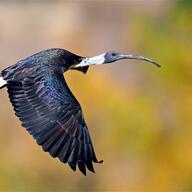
point(157, 64)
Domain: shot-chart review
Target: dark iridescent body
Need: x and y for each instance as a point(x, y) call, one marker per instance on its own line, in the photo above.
point(47, 108)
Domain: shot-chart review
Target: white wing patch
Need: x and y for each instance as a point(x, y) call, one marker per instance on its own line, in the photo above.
point(96, 60)
point(2, 82)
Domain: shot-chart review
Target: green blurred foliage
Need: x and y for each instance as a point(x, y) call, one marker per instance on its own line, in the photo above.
point(139, 116)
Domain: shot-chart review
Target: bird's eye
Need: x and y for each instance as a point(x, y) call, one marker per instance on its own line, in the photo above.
point(113, 54)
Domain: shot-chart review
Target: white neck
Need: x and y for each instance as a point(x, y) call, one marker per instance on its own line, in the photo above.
point(96, 60)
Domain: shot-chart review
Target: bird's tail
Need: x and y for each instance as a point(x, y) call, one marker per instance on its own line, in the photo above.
point(3, 83)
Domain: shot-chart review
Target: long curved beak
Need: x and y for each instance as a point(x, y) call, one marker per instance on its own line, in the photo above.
point(126, 56)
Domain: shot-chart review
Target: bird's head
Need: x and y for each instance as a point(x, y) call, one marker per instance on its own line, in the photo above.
point(109, 57)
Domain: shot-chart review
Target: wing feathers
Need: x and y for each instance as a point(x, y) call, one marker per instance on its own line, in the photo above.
point(55, 150)
point(52, 115)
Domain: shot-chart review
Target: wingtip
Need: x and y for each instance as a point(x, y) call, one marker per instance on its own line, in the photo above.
point(84, 172)
point(90, 167)
point(96, 161)
point(82, 167)
point(73, 167)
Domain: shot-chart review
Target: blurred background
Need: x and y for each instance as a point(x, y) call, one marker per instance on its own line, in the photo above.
point(139, 116)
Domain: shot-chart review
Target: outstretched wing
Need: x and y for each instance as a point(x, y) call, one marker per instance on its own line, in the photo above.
point(52, 115)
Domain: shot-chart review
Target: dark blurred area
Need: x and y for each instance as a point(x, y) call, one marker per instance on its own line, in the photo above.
point(139, 116)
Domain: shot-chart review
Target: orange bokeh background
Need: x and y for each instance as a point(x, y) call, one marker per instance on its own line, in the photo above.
point(139, 116)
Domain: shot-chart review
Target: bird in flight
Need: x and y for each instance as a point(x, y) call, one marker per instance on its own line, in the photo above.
point(47, 108)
